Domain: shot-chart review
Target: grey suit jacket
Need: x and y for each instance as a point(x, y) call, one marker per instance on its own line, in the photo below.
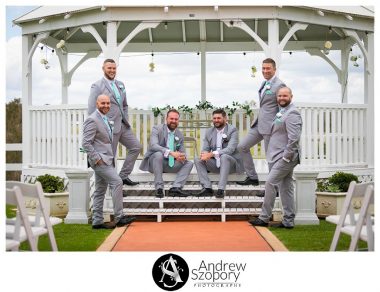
point(102, 87)
point(158, 141)
point(228, 145)
point(96, 140)
point(285, 136)
point(268, 106)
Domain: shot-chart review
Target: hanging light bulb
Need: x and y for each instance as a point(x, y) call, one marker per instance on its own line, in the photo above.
point(253, 71)
point(327, 47)
point(166, 24)
point(151, 65)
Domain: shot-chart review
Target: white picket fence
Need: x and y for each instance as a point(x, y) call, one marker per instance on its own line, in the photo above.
point(334, 135)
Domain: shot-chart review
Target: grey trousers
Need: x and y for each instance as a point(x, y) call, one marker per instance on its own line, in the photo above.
point(227, 166)
point(253, 137)
point(280, 175)
point(106, 175)
point(158, 165)
point(128, 139)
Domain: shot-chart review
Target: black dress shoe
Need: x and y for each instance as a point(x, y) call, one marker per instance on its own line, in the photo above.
point(159, 193)
point(248, 181)
point(281, 225)
point(204, 192)
point(125, 221)
point(260, 194)
point(103, 226)
point(258, 222)
point(128, 182)
point(220, 194)
point(177, 192)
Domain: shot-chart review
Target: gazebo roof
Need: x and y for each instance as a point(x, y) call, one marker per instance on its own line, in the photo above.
point(182, 28)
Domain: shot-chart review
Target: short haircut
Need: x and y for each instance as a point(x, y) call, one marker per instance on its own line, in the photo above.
point(172, 110)
point(219, 111)
point(290, 91)
point(270, 61)
point(109, 61)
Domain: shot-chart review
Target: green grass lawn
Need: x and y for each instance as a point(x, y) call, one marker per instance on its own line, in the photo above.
point(312, 237)
point(69, 237)
point(81, 237)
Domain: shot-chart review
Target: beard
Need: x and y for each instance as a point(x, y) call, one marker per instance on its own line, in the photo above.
point(219, 125)
point(172, 126)
point(284, 103)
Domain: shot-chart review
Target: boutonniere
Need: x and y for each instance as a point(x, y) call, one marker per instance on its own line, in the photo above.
point(121, 86)
point(224, 137)
point(178, 145)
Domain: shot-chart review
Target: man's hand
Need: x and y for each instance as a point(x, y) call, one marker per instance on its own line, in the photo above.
point(179, 156)
point(100, 162)
point(206, 156)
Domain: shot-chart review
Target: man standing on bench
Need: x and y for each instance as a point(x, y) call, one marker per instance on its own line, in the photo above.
point(166, 153)
point(219, 154)
point(261, 127)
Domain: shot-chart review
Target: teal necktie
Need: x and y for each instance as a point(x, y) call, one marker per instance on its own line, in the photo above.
point(171, 148)
point(105, 119)
point(116, 91)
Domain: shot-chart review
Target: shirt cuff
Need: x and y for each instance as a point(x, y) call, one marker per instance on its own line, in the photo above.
point(166, 154)
point(287, 160)
point(216, 154)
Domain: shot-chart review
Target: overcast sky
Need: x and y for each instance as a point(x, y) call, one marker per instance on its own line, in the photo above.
point(176, 79)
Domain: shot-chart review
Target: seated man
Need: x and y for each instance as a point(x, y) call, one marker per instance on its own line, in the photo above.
point(219, 154)
point(166, 153)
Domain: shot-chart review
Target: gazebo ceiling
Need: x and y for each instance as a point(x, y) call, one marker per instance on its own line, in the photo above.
point(183, 28)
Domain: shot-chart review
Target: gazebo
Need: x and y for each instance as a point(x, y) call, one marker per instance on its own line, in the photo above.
point(335, 136)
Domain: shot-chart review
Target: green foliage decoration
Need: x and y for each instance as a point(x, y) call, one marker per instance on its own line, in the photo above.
point(51, 184)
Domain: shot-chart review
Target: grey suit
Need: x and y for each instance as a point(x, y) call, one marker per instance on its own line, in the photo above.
point(97, 144)
point(230, 160)
point(261, 127)
point(155, 162)
point(119, 115)
point(283, 145)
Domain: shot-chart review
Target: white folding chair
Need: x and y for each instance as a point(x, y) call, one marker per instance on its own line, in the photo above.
point(41, 218)
point(21, 230)
point(347, 216)
point(364, 228)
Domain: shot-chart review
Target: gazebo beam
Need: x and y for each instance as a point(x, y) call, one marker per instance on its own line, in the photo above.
point(195, 46)
point(317, 52)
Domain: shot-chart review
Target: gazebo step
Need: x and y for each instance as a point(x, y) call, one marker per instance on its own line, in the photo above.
point(192, 199)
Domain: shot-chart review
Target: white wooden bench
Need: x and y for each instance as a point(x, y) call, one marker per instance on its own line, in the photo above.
point(239, 200)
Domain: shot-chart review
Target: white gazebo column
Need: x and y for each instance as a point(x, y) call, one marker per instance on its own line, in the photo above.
point(203, 71)
point(27, 42)
point(369, 100)
point(274, 50)
point(64, 85)
point(111, 51)
point(344, 56)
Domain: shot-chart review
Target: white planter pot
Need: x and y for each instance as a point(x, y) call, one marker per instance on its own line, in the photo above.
point(57, 203)
point(329, 203)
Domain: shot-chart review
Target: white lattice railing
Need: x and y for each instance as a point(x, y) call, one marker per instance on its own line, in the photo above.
point(333, 134)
